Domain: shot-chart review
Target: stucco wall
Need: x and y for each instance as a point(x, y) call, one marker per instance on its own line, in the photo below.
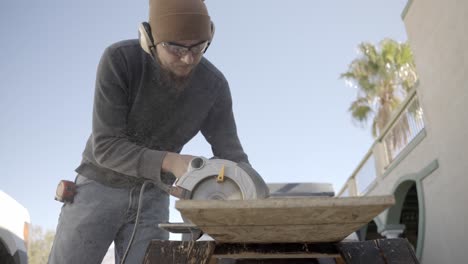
point(437, 32)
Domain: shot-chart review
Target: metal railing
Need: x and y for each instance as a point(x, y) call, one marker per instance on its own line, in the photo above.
point(366, 175)
point(405, 129)
point(405, 125)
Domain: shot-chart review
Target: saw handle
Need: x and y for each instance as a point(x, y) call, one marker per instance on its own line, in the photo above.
point(179, 192)
point(176, 191)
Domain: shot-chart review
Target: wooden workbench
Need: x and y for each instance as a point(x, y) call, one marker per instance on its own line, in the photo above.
point(302, 229)
point(382, 251)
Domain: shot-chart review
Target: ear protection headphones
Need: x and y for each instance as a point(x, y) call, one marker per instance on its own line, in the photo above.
point(146, 38)
point(147, 41)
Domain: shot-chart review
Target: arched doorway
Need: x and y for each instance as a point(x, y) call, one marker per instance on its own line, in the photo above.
point(410, 215)
point(406, 211)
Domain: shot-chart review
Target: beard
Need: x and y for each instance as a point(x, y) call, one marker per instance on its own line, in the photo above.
point(170, 80)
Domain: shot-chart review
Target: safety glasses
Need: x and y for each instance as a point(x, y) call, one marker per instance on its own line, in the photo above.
point(181, 50)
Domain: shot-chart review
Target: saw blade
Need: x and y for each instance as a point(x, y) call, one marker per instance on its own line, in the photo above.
point(210, 189)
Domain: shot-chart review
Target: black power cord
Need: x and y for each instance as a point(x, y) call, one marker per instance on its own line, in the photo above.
point(140, 201)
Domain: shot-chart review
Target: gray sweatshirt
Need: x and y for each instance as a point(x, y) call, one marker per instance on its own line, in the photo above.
point(136, 121)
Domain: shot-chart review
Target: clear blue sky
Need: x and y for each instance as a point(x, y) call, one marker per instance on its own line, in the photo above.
point(282, 59)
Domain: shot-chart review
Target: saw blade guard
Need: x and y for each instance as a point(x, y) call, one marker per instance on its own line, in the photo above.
point(220, 179)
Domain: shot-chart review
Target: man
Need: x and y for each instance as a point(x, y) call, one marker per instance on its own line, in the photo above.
point(147, 105)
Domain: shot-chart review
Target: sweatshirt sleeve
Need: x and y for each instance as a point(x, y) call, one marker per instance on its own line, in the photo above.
point(219, 128)
point(110, 146)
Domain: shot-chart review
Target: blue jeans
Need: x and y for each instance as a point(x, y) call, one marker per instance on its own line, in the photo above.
point(99, 215)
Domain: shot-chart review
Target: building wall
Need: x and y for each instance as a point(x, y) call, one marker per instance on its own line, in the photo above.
point(437, 162)
point(437, 32)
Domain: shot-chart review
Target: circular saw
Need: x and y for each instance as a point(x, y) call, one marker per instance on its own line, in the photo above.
point(215, 179)
point(220, 179)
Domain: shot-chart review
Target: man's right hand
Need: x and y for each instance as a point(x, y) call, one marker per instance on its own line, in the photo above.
point(176, 164)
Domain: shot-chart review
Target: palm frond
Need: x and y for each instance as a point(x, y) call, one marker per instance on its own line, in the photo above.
point(383, 75)
point(360, 112)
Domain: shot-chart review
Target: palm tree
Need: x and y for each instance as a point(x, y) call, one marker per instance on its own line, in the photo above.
point(383, 77)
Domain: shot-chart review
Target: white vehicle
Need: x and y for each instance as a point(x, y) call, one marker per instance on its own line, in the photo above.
point(14, 231)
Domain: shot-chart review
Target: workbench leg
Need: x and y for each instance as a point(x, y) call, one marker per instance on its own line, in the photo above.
point(380, 251)
point(177, 252)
